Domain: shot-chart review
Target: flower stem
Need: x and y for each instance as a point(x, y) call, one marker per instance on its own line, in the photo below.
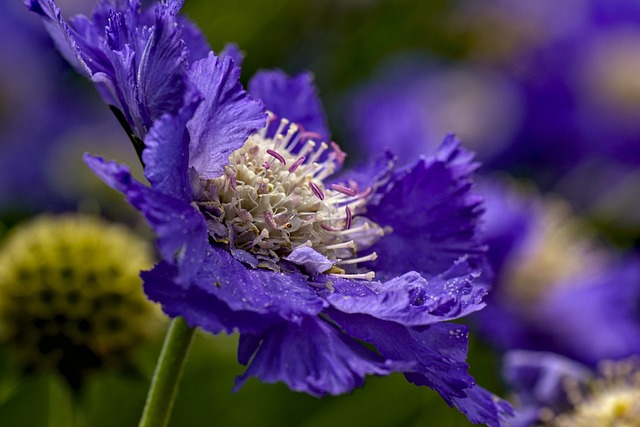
point(164, 385)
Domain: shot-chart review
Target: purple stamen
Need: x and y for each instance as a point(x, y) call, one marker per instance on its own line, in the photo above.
point(277, 156)
point(316, 190)
point(297, 164)
point(272, 117)
point(348, 219)
point(329, 228)
point(307, 134)
point(344, 190)
point(266, 165)
point(340, 155)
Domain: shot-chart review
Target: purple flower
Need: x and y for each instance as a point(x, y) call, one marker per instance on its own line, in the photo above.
point(556, 289)
point(413, 101)
point(258, 236)
point(556, 391)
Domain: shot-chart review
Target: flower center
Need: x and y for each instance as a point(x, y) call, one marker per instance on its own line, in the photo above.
point(272, 199)
point(561, 247)
point(613, 400)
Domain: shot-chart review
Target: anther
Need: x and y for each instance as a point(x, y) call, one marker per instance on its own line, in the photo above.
point(339, 154)
point(316, 190)
point(349, 217)
point(297, 164)
point(344, 190)
point(278, 156)
point(308, 134)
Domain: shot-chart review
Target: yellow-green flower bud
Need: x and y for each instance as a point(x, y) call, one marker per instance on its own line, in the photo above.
point(71, 296)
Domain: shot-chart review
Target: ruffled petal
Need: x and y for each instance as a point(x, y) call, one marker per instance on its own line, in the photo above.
point(433, 214)
point(225, 118)
point(369, 177)
point(196, 42)
point(233, 51)
point(312, 356)
point(410, 299)
point(293, 98)
point(539, 379)
point(439, 352)
point(137, 62)
point(226, 296)
point(179, 227)
point(196, 305)
point(63, 36)
point(151, 81)
point(166, 156)
point(285, 295)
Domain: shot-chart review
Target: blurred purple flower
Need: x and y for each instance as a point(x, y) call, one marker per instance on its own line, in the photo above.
point(413, 102)
point(556, 289)
point(556, 391)
point(578, 68)
point(257, 237)
point(42, 121)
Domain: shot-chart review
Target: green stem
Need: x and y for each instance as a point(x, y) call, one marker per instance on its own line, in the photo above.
point(164, 385)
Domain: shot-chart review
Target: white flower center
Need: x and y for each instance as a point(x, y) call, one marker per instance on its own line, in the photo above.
point(272, 199)
point(612, 400)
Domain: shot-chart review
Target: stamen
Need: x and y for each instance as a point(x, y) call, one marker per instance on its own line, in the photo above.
point(283, 123)
point(366, 276)
point(348, 219)
point(277, 156)
point(318, 153)
point(364, 227)
point(350, 244)
point(316, 190)
point(293, 129)
point(371, 257)
point(329, 228)
point(344, 190)
point(297, 164)
point(308, 134)
point(322, 173)
point(340, 155)
point(307, 148)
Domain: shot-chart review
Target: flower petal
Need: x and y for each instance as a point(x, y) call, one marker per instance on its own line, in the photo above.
point(225, 118)
point(310, 260)
point(539, 379)
point(181, 229)
point(63, 36)
point(439, 352)
point(312, 357)
point(433, 214)
point(293, 98)
point(411, 300)
point(226, 296)
point(166, 156)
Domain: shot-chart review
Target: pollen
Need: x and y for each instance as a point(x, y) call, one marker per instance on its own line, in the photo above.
point(272, 198)
point(71, 298)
